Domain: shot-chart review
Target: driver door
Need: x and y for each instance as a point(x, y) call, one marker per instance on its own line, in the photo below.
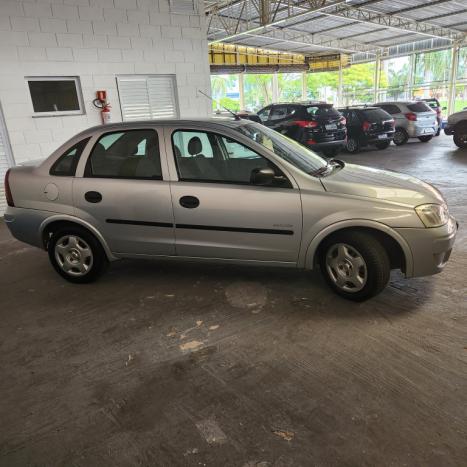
point(218, 212)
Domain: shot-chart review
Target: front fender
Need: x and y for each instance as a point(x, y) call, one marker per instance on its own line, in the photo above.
point(86, 225)
point(311, 246)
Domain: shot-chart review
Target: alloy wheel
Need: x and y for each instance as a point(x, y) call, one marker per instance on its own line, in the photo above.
point(73, 255)
point(346, 267)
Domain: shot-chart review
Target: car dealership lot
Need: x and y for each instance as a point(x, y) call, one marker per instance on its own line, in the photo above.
point(192, 364)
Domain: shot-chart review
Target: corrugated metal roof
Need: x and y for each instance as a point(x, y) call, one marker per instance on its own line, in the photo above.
point(336, 23)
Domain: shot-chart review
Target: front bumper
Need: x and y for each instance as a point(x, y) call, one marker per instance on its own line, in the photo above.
point(449, 129)
point(430, 247)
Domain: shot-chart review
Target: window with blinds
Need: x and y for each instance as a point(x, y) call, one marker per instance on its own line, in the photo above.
point(148, 97)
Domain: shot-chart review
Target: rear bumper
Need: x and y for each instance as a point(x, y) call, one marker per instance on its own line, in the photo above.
point(373, 139)
point(24, 224)
point(415, 131)
point(431, 248)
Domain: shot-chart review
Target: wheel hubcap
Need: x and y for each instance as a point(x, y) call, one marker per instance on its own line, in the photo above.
point(73, 255)
point(398, 136)
point(346, 267)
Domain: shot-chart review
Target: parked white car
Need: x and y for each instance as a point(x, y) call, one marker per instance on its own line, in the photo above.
point(457, 126)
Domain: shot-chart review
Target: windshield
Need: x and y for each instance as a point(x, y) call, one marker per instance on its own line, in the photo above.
point(285, 148)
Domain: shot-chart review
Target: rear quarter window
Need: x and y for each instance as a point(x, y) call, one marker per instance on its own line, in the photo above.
point(418, 107)
point(65, 165)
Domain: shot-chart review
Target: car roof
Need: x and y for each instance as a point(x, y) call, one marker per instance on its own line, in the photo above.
point(359, 107)
point(218, 122)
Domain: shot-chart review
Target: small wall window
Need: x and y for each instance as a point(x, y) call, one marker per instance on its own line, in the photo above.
point(56, 95)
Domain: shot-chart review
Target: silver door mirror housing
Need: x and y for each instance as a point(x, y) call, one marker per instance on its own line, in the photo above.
point(262, 176)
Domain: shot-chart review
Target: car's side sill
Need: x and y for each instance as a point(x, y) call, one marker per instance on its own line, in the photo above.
point(249, 262)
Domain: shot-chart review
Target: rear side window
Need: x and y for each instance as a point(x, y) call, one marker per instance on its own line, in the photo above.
point(375, 115)
point(322, 111)
point(418, 107)
point(126, 154)
point(66, 165)
point(278, 113)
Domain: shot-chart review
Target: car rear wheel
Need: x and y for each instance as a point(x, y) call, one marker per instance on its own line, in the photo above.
point(76, 254)
point(355, 265)
point(425, 139)
point(400, 137)
point(383, 144)
point(460, 136)
point(352, 145)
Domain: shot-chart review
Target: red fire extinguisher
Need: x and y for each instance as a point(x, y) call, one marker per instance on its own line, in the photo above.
point(101, 103)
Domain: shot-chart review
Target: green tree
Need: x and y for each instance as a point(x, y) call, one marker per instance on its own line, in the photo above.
point(258, 90)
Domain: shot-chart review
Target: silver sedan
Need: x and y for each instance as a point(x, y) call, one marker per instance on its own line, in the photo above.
point(228, 191)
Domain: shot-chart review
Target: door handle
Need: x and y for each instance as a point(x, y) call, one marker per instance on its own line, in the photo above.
point(189, 202)
point(93, 197)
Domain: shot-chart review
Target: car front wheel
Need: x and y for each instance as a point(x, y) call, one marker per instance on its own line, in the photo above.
point(76, 254)
point(400, 137)
point(352, 145)
point(355, 265)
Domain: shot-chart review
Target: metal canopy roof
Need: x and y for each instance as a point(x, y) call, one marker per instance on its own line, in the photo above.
point(314, 27)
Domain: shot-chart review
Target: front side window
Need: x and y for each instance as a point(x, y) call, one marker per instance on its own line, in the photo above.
point(55, 95)
point(126, 154)
point(65, 166)
point(228, 161)
point(285, 148)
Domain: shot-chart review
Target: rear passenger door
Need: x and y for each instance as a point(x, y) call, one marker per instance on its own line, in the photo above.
point(121, 189)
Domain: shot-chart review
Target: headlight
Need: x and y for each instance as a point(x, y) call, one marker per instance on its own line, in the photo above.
point(433, 215)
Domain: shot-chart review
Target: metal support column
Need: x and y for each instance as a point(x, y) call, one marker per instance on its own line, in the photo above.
point(412, 62)
point(304, 87)
point(339, 86)
point(377, 78)
point(275, 88)
point(452, 79)
point(241, 90)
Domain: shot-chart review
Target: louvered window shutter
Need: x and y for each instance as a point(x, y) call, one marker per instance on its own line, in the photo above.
point(148, 97)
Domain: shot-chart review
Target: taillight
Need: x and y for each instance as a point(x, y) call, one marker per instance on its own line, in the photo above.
point(411, 116)
point(306, 123)
point(343, 120)
point(9, 197)
point(366, 126)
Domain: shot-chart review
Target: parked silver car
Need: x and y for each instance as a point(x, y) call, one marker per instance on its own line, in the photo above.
point(413, 119)
point(229, 191)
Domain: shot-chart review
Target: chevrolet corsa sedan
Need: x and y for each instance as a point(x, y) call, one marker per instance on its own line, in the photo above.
point(229, 191)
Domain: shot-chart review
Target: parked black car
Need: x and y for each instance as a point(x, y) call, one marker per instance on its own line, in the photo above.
point(367, 126)
point(316, 125)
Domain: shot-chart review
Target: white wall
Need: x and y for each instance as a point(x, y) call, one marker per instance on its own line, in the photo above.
point(95, 40)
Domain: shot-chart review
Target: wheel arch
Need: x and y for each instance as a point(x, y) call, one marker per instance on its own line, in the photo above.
point(52, 223)
point(397, 248)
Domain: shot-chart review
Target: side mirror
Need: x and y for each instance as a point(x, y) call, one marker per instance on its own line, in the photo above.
point(262, 176)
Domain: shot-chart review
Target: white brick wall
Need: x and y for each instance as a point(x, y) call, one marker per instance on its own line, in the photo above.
point(95, 40)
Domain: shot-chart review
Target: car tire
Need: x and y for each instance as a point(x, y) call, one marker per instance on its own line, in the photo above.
point(332, 152)
point(352, 146)
point(425, 139)
point(355, 250)
point(76, 254)
point(400, 137)
point(382, 145)
point(460, 136)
